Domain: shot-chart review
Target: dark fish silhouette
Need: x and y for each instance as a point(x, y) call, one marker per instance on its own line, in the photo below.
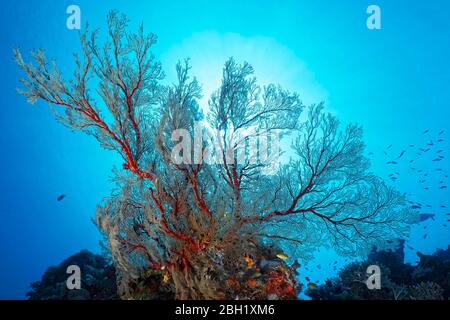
point(425, 236)
point(61, 197)
point(441, 132)
point(409, 247)
point(426, 216)
point(296, 265)
point(401, 154)
point(443, 187)
point(426, 131)
point(307, 279)
point(389, 146)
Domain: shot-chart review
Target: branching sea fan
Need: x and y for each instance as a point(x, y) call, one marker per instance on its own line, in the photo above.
point(213, 229)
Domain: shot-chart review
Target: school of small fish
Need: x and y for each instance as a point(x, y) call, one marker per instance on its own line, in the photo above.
point(434, 177)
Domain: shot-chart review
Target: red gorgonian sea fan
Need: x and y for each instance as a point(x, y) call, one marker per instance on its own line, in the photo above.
point(194, 223)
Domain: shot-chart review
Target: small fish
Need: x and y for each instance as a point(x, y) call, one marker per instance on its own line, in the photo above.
point(426, 131)
point(401, 154)
point(282, 256)
point(409, 247)
point(425, 236)
point(61, 197)
point(441, 132)
point(307, 279)
point(426, 216)
point(443, 187)
point(250, 262)
point(166, 277)
point(444, 225)
point(296, 265)
point(312, 286)
point(389, 146)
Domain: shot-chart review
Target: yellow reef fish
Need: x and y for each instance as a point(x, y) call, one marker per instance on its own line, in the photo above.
point(282, 256)
point(166, 277)
point(250, 262)
point(312, 286)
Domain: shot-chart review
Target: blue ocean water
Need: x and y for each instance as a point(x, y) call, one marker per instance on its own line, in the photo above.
point(394, 82)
